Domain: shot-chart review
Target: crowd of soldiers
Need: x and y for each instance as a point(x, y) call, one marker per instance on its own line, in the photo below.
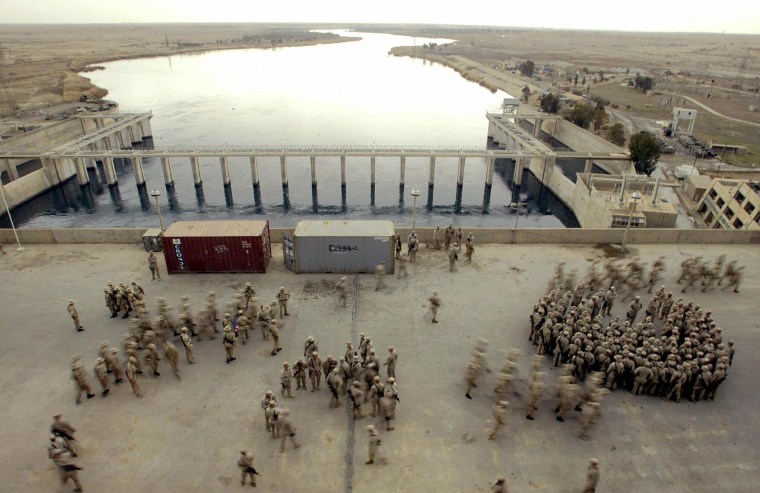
point(356, 376)
point(675, 349)
point(696, 271)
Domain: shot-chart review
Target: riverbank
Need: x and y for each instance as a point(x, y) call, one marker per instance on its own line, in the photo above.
point(42, 63)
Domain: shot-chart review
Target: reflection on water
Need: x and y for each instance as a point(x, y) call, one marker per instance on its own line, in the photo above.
point(338, 94)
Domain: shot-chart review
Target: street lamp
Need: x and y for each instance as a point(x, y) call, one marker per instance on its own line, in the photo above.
point(634, 196)
point(156, 194)
point(10, 218)
point(517, 207)
point(415, 194)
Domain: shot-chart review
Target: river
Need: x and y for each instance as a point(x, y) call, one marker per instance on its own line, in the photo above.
point(341, 94)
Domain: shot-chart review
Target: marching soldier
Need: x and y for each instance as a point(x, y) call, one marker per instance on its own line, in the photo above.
point(72, 308)
point(412, 247)
point(499, 411)
point(275, 333)
point(314, 364)
point(282, 298)
point(131, 370)
point(435, 304)
point(151, 358)
point(342, 288)
point(172, 356)
point(373, 444)
point(102, 373)
point(591, 412)
point(287, 430)
point(535, 389)
point(188, 343)
point(110, 304)
point(80, 378)
point(67, 468)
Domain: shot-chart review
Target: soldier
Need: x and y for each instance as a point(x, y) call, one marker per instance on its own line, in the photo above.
point(265, 402)
point(734, 275)
point(72, 308)
point(354, 395)
point(566, 396)
point(435, 304)
point(474, 371)
point(188, 343)
point(227, 321)
point(79, 376)
point(102, 373)
point(398, 247)
point(469, 247)
point(112, 360)
point(299, 373)
point(265, 317)
point(309, 346)
point(286, 380)
point(499, 486)
point(413, 247)
point(243, 326)
point(153, 266)
point(390, 361)
point(151, 358)
point(388, 403)
point(334, 383)
point(448, 236)
point(373, 444)
point(609, 301)
point(591, 412)
point(592, 476)
point(314, 364)
point(229, 342)
point(287, 430)
point(172, 356)
point(272, 416)
point(342, 288)
point(282, 298)
point(375, 394)
point(110, 304)
point(499, 411)
point(131, 370)
point(379, 276)
point(138, 291)
point(245, 463)
point(67, 468)
point(459, 236)
point(633, 309)
point(329, 365)
point(437, 237)
point(63, 429)
point(535, 389)
point(275, 333)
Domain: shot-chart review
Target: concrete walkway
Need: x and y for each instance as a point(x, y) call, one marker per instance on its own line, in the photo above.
point(185, 435)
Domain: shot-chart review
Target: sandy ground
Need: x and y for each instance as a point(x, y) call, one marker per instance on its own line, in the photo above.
point(185, 435)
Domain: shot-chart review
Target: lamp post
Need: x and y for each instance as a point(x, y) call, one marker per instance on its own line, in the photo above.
point(10, 218)
point(634, 196)
point(517, 207)
point(415, 194)
point(156, 194)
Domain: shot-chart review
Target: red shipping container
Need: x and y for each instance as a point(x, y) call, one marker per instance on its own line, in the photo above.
point(217, 246)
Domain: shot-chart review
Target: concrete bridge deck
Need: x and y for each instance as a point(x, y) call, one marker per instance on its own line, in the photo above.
point(185, 435)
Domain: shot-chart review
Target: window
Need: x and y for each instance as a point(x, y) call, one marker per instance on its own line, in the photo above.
point(739, 197)
point(702, 209)
point(729, 213)
point(738, 223)
point(713, 193)
point(720, 203)
point(749, 208)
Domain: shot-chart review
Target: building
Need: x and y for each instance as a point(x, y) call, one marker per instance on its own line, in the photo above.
point(731, 204)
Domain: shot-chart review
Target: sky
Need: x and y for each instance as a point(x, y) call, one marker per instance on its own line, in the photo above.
point(729, 16)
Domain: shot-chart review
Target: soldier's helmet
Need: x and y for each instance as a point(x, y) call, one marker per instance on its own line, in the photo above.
point(240, 312)
point(376, 379)
point(105, 344)
point(370, 428)
point(101, 360)
point(114, 350)
point(269, 393)
point(314, 353)
point(282, 289)
point(248, 284)
point(71, 302)
point(227, 328)
point(105, 290)
point(391, 380)
point(310, 339)
point(184, 330)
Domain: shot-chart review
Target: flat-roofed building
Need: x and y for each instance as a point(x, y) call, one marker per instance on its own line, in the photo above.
point(731, 204)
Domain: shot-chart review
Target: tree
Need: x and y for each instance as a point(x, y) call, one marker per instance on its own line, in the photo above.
point(526, 93)
point(576, 79)
point(645, 151)
point(527, 68)
point(600, 118)
point(616, 134)
point(550, 103)
point(582, 115)
point(583, 81)
point(643, 83)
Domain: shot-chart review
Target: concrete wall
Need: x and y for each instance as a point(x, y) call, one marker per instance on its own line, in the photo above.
point(590, 210)
point(482, 235)
point(582, 140)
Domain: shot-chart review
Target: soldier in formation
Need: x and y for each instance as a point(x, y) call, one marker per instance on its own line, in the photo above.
point(80, 378)
point(72, 309)
point(499, 411)
point(245, 463)
point(373, 443)
point(435, 304)
point(282, 299)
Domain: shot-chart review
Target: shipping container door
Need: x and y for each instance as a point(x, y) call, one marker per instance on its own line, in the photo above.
point(287, 252)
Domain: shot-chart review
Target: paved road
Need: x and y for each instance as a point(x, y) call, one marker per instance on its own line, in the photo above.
point(185, 435)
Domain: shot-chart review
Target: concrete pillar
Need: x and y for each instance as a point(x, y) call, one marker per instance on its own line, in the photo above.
point(104, 143)
point(490, 129)
point(489, 171)
point(589, 166)
point(82, 176)
point(403, 170)
point(147, 131)
point(10, 167)
point(137, 133)
point(343, 171)
point(195, 164)
point(372, 170)
point(656, 189)
point(517, 175)
point(284, 170)
point(139, 173)
point(313, 161)
point(223, 160)
point(99, 123)
point(431, 174)
point(167, 167)
point(254, 171)
point(460, 174)
point(113, 138)
point(537, 127)
point(110, 171)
